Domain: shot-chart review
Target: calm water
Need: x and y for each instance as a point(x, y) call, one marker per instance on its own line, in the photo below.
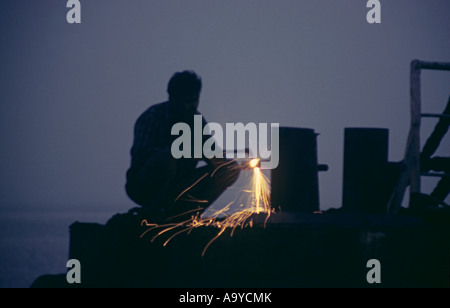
point(34, 243)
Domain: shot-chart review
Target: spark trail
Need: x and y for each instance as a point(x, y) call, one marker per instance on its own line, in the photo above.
point(253, 199)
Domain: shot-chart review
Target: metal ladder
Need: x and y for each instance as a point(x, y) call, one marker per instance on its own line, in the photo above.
point(412, 172)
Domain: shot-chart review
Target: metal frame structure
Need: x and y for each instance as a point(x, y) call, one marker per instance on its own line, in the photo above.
point(412, 173)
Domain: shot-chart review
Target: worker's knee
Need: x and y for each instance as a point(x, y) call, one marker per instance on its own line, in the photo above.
point(167, 165)
point(159, 167)
point(151, 179)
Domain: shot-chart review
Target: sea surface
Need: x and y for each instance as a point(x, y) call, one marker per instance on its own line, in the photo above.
point(36, 242)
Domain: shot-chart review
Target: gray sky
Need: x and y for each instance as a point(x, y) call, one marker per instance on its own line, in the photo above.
point(70, 93)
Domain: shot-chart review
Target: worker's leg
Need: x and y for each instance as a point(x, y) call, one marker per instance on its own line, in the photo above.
point(159, 188)
point(149, 184)
point(204, 186)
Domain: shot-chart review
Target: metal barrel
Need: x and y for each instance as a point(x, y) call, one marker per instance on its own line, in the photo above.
point(365, 169)
point(294, 182)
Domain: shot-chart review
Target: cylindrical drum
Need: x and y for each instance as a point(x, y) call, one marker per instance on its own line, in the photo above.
point(295, 184)
point(365, 167)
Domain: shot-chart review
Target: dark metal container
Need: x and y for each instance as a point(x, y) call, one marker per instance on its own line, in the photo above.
point(295, 184)
point(365, 170)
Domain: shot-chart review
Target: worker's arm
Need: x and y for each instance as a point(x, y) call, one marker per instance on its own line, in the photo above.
point(219, 160)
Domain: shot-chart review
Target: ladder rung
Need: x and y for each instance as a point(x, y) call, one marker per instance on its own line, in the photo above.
point(435, 115)
point(434, 174)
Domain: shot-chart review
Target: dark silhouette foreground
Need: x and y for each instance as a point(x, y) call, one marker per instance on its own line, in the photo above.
point(292, 250)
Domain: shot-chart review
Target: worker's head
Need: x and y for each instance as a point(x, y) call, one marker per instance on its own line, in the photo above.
point(184, 92)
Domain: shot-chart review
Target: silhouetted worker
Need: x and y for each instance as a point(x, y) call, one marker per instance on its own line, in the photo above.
point(161, 184)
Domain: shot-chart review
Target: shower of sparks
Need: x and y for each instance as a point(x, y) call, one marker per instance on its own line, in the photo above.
point(253, 199)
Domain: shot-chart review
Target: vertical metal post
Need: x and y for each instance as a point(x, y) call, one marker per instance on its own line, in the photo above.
point(414, 153)
point(411, 174)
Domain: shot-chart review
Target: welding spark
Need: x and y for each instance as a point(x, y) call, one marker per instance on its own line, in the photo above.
point(254, 163)
point(252, 199)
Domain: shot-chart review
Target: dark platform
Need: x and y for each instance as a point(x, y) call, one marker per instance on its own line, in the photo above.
point(292, 250)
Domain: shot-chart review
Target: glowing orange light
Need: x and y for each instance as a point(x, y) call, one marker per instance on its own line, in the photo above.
point(254, 163)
